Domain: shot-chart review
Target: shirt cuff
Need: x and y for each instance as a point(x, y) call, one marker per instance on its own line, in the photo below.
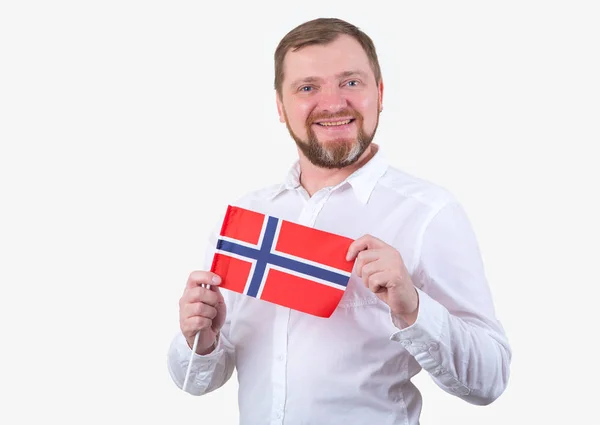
point(424, 341)
point(199, 363)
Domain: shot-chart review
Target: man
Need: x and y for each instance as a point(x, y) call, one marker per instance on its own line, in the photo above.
point(417, 299)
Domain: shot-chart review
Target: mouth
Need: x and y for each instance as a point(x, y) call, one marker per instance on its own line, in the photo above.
point(337, 123)
point(336, 126)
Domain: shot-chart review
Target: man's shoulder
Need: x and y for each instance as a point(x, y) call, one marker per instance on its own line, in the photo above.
point(420, 189)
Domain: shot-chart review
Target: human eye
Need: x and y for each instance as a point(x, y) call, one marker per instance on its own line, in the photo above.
point(305, 89)
point(353, 83)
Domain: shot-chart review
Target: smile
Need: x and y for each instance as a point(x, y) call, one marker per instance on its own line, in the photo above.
point(335, 123)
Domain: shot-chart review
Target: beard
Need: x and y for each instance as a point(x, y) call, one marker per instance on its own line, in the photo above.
point(336, 153)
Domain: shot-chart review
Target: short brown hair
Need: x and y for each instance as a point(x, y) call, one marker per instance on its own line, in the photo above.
point(322, 31)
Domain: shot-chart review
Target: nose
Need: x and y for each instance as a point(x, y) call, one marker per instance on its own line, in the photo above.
point(332, 99)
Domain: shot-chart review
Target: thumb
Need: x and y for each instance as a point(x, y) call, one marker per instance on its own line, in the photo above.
point(220, 299)
point(221, 311)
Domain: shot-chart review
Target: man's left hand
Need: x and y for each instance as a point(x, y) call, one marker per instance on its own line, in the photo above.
point(383, 271)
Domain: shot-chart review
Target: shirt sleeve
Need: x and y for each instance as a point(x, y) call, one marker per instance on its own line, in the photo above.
point(208, 372)
point(211, 371)
point(456, 337)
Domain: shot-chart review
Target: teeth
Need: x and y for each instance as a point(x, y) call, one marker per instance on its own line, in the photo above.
point(328, 124)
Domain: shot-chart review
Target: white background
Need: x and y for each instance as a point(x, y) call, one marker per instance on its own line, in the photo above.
point(126, 126)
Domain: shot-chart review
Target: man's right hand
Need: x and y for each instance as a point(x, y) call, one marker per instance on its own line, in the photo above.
point(202, 310)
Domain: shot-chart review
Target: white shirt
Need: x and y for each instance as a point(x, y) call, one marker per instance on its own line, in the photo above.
point(355, 366)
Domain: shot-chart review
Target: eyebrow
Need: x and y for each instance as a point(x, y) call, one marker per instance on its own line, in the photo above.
point(341, 75)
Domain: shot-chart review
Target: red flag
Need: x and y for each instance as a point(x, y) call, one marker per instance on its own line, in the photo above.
point(282, 262)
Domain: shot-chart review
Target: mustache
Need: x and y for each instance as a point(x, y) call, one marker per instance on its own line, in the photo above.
point(344, 113)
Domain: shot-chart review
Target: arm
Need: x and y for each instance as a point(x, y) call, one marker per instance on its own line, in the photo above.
point(214, 367)
point(209, 372)
point(456, 337)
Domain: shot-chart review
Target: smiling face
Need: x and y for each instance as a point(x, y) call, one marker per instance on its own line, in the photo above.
point(330, 101)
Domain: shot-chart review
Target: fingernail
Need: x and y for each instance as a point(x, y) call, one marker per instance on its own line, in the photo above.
point(216, 280)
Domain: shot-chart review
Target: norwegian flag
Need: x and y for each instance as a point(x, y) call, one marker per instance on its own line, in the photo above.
point(282, 262)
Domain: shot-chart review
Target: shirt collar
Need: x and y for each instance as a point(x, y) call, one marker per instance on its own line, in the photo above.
point(291, 182)
point(363, 180)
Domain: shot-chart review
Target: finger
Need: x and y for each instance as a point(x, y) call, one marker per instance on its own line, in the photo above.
point(370, 269)
point(199, 294)
point(193, 325)
point(362, 243)
point(377, 282)
point(365, 257)
point(357, 246)
point(198, 278)
point(199, 309)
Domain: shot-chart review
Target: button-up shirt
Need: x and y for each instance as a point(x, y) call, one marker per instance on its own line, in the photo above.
point(355, 367)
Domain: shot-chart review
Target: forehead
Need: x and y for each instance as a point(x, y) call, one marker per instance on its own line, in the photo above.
point(326, 60)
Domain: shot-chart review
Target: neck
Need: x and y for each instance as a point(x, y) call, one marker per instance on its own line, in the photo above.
point(314, 178)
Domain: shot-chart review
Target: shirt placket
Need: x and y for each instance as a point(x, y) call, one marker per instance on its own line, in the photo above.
point(307, 217)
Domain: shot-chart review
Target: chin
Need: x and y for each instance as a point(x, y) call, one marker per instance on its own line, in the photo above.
point(345, 141)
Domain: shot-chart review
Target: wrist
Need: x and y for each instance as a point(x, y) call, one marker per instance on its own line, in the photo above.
point(408, 314)
point(210, 348)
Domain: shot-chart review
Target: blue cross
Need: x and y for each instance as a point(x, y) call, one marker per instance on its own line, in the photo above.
point(264, 256)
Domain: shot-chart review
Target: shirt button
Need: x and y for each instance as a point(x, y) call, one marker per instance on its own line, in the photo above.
point(280, 357)
point(434, 346)
point(406, 343)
